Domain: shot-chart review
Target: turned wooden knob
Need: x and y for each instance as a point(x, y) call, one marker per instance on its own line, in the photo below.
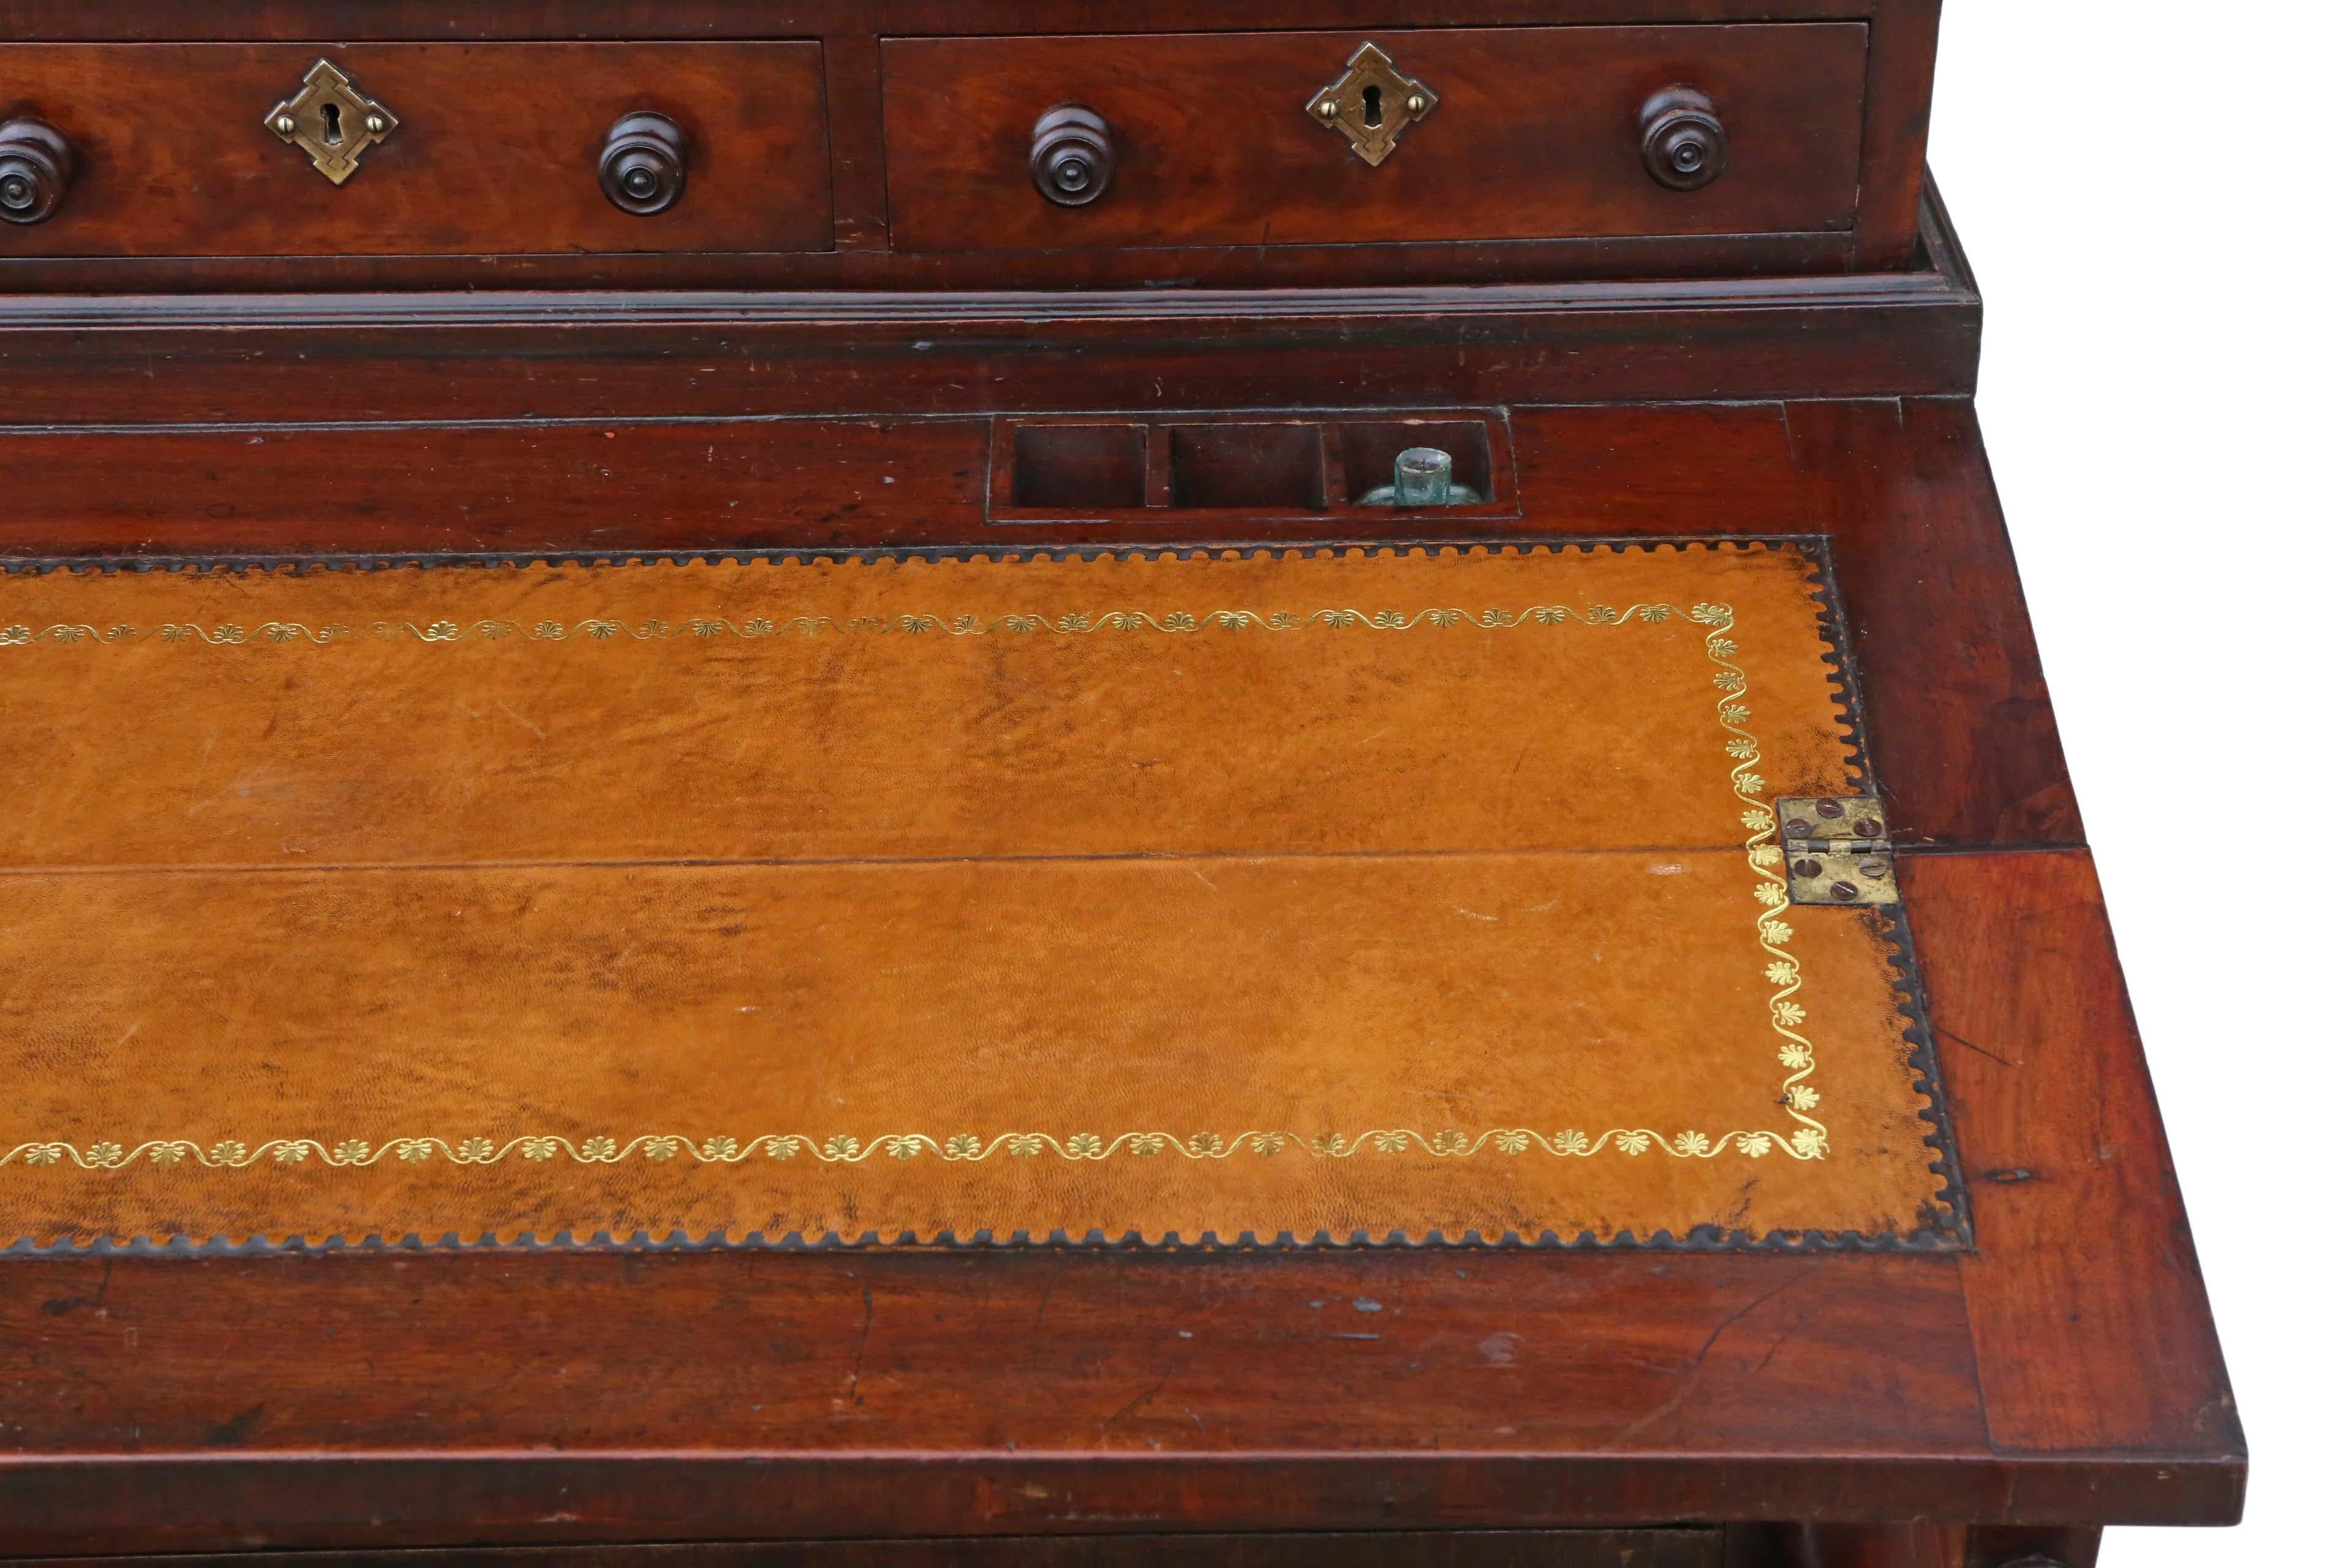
point(643, 169)
point(1070, 156)
point(36, 167)
point(1683, 143)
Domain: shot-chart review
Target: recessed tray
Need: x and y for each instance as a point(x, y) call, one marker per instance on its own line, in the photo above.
point(1206, 468)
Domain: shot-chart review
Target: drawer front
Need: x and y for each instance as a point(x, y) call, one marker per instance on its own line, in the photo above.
point(1537, 133)
point(496, 149)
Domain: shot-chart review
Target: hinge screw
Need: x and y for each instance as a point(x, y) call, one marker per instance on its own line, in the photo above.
point(1837, 850)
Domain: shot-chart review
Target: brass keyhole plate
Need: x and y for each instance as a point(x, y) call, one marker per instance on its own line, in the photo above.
point(1372, 104)
point(332, 121)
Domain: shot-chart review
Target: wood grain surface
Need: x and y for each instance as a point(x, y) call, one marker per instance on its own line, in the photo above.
point(2064, 1145)
point(263, 359)
point(495, 152)
point(479, 187)
point(1537, 133)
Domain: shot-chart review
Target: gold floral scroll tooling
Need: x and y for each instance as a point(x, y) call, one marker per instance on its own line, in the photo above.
point(1808, 1139)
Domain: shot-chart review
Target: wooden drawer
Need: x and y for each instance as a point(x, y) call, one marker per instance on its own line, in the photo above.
point(496, 149)
point(1537, 133)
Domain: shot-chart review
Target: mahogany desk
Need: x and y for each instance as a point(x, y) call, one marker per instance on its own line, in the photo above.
point(833, 282)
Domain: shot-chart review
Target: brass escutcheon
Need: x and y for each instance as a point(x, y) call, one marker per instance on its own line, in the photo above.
point(332, 121)
point(1371, 104)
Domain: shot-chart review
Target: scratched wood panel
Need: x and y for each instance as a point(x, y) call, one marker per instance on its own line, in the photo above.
point(2088, 1310)
point(1678, 1548)
point(1442, 1388)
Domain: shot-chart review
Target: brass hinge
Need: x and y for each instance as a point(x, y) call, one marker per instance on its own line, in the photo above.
point(1836, 849)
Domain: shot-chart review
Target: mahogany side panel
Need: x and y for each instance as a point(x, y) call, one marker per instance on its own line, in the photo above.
point(2091, 1322)
point(1902, 81)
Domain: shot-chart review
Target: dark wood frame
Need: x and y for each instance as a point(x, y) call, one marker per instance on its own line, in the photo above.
point(2061, 1374)
point(985, 1405)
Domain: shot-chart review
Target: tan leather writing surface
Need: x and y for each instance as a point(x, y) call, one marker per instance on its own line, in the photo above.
point(1410, 894)
point(831, 732)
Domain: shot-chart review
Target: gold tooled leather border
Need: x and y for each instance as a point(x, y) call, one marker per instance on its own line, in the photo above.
point(1943, 1221)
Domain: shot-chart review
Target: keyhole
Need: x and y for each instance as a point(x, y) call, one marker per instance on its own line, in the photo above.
point(330, 120)
point(1371, 106)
